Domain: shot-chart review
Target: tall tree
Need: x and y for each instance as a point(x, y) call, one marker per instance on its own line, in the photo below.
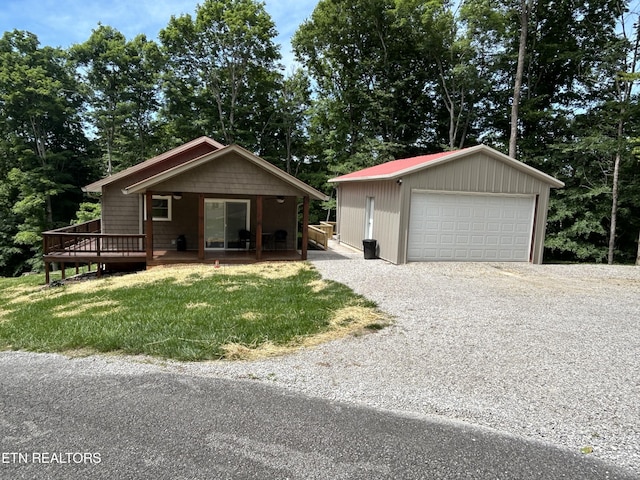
point(599, 168)
point(371, 104)
point(293, 106)
point(121, 79)
point(222, 74)
point(44, 153)
point(450, 43)
point(140, 138)
point(526, 6)
point(624, 83)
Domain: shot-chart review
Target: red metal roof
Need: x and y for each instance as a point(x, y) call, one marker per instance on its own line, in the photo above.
point(406, 166)
point(389, 169)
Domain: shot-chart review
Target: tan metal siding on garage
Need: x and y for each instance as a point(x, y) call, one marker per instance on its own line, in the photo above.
point(478, 173)
point(351, 212)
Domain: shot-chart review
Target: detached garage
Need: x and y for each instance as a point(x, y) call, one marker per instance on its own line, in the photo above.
point(474, 204)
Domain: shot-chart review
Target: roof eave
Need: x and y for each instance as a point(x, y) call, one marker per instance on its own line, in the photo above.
point(365, 179)
point(534, 172)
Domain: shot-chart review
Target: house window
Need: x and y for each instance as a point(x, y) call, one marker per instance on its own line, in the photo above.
point(160, 208)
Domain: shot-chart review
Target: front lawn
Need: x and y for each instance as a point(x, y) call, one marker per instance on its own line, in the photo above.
point(184, 313)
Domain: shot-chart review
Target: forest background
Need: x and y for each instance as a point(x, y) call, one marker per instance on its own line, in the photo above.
point(552, 83)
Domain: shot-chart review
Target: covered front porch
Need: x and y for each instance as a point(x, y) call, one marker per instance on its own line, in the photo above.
point(222, 225)
point(86, 244)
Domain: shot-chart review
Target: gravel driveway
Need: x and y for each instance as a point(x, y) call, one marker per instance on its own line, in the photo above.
point(549, 352)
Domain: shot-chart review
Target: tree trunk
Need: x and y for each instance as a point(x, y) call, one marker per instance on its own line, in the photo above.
point(614, 207)
point(109, 159)
point(522, 50)
point(625, 88)
point(42, 154)
point(638, 254)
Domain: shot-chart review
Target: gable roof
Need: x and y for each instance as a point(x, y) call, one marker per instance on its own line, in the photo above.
point(397, 168)
point(96, 187)
point(169, 173)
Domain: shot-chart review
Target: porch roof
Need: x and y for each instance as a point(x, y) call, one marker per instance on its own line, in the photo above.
point(147, 183)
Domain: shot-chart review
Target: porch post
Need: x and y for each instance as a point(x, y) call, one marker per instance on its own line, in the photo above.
point(305, 226)
point(259, 228)
point(148, 225)
point(201, 227)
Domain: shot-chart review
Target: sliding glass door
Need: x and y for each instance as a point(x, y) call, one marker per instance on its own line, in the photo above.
point(223, 221)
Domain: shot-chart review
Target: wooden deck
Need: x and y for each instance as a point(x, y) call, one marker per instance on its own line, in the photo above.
point(107, 260)
point(84, 245)
point(164, 257)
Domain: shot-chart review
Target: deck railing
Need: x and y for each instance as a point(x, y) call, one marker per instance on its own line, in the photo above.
point(86, 239)
point(319, 235)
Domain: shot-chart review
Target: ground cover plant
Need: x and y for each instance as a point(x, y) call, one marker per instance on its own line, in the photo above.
point(184, 313)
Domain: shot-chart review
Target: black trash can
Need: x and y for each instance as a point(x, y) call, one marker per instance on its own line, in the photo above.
point(181, 243)
point(369, 245)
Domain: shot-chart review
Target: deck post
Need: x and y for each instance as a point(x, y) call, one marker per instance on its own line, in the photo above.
point(259, 228)
point(201, 227)
point(45, 250)
point(149, 226)
point(305, 226)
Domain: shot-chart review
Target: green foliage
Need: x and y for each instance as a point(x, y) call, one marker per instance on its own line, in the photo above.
point(369, 80)
point(291, 124)
point(576, 229)
point(44, 155)
point(122, 81)
point(221, 78)
point(87, 211)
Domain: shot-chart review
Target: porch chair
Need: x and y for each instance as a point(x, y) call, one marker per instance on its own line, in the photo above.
point(280, 236)
point(246, 239)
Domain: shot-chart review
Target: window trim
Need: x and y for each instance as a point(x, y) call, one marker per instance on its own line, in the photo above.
point(169, 208)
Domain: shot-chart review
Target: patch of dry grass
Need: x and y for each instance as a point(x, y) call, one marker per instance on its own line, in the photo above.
point(191, 312)
point(79, 307)
point(347, 321)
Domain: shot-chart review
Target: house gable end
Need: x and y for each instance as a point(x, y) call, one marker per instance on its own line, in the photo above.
point(399, 168)
point(230, 174)
point(240, 179)
point(177, 156)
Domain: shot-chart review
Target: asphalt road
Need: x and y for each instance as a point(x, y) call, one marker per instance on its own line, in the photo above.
point(167, 426)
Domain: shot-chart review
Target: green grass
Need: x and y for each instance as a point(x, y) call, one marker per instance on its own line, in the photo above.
point(195, 313)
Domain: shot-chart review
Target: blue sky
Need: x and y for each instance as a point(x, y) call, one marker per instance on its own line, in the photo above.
point(61, 23)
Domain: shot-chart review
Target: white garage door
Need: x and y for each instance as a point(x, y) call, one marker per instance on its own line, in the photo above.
point(474, 227)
